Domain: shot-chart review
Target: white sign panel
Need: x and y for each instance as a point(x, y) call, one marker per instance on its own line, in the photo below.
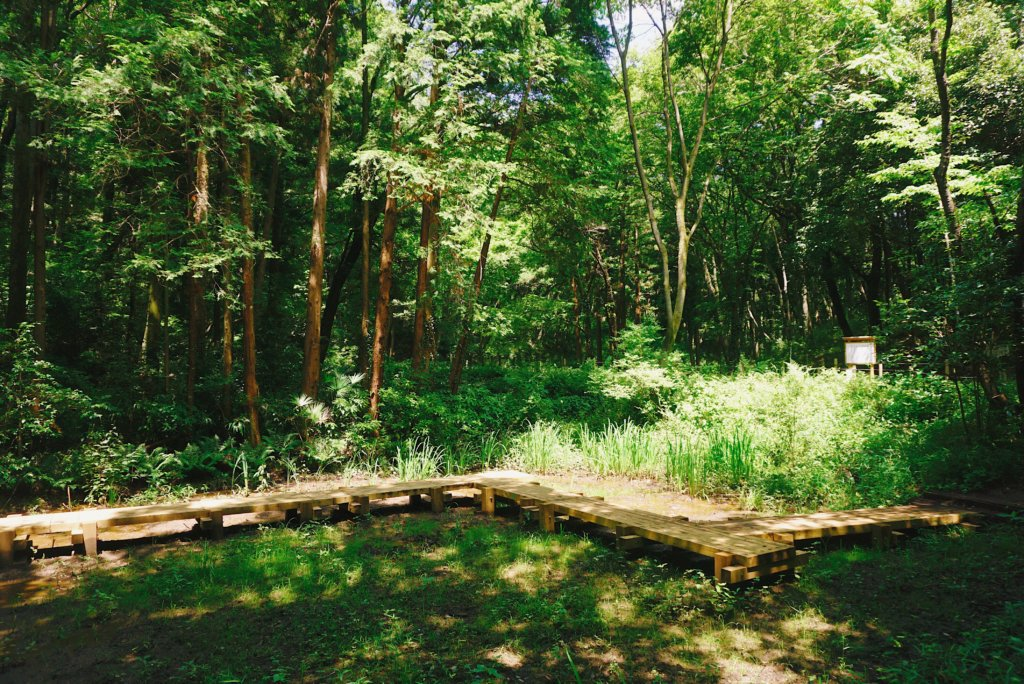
point(860, 353)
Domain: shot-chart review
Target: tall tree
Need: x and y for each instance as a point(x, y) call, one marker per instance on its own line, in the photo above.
point(314, 290)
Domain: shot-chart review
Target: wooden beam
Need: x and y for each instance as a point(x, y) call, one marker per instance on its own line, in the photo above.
point(487, 500)
point(90, 538)
point(213, 525)
point(437, 500)
point(722, 560)
point(6, 547)
point(547, 517)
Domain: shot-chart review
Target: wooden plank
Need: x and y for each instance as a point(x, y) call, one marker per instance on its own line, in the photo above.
point(43, 543)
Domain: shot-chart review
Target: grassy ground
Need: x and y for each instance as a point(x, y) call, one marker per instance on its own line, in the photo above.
point(412, 597)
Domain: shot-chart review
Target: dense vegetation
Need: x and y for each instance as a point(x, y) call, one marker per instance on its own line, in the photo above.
point(248, 238)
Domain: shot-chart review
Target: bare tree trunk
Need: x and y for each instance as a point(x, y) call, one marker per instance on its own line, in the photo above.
point(576, 308)
point(39, 251)
point(314, 293)
point(1017, 274)
point(938, 50)
point(6, 136)
point(342, 270)
point(431, 205)
point(459, 359)
point(364, 126)
point(227, 340)
point(675, 299)
point(252, 390)
point(364, 319)
point(47, 35)
point(154, 316)
point(22, 192)
point(387, 249)
point(268, 218)
point(838, 310)
point(428, 228)
point(193, 285)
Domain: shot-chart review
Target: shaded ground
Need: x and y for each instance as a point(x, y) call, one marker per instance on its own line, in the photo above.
point(411, 597)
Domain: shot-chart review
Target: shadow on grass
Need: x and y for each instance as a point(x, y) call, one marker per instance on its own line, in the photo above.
point(421, 598)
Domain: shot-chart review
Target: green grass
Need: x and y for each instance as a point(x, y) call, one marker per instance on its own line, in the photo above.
point(416, 598)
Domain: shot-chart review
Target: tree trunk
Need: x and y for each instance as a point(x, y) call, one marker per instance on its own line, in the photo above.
point(431, 205)
point(938, 49)
point(576, 308)
point(838, 310)
point(227, 340)
point(387, 248)
point(314, 294)
point(22, 192)
point(873, 279)
point(47, 36)
point(193, 284)
point(459, 359)
point(268, 217)
point(194, 297)
point(1017, 276)
point(39, 249)
point(428, 228)
point(364, 316)
point(252, 390)
point(353, 250)
point(154, 316)
point(6, 136)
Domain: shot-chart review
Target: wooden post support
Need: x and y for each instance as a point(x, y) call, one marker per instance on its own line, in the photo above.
point(6, 547)
point(359, 505)
point(437, 500)
point(487, 500)
point(547, 518)
point(882, 536)
point(722, 561)
point(306, 511)
point(626, 540)
point(90, 538)
point(213, 525)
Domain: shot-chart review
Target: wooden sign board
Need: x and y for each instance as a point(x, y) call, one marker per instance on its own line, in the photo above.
point(860, 351)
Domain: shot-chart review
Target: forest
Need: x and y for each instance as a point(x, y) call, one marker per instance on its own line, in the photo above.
point(252, 243)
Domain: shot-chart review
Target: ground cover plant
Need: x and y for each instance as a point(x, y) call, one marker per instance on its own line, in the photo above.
point(253, 245)
point(416, 598)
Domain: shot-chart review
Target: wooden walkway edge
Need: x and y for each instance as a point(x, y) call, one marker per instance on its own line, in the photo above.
point(741, 549)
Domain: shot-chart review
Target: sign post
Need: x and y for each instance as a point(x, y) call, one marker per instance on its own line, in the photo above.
point(861, 351)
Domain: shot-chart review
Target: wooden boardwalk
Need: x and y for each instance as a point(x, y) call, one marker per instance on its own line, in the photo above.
point(741, 549)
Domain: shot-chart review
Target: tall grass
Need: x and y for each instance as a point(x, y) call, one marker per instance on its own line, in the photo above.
point(625, 449)
point(543, 448)
point(420, 460)
point(731, 455)
point(686, 464)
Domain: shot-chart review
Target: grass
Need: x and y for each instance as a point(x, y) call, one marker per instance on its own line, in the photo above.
point(411, 598)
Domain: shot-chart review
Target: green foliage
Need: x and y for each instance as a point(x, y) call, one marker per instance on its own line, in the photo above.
point(420, 460)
